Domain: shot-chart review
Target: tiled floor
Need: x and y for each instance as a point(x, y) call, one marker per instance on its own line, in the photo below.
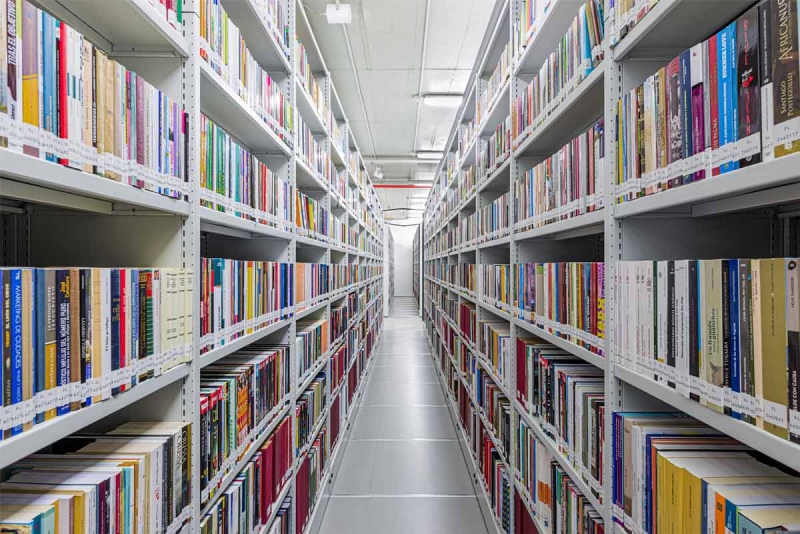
point(403, 471)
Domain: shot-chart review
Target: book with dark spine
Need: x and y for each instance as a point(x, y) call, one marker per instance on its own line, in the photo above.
point(785, 70)
point(63, 332)
point(793, 347)
point(749, 82)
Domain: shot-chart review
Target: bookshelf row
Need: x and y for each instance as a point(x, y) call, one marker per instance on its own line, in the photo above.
point(417, 266)
point(388, 251)
point(609, 251)
point(193, 161)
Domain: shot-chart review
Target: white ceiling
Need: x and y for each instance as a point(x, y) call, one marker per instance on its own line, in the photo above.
point(387, 40)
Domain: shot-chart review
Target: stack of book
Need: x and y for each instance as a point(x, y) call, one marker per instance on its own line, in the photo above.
point(309, 409)
point(564, 299)
point(469, 229)
point(72, 337)
point(678, 475)
point(567, 184)
point(719, 106)
point(67, 102)
point(311, 282)
point(575, 57)
point(496, 407)
point(467, 183)
point(566, 397)
point(239, 297)
point(531, 17)
point(224, 49)
point(338, 366)
point(312, 342)
point(466, 135)
point(134, 478)
point(497, 479)
point(496, 284)
point(232, 180)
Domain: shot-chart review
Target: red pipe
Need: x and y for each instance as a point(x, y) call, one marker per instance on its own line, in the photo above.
point(400, 186)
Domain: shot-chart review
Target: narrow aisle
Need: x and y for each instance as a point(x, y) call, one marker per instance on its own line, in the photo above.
point(403, 470)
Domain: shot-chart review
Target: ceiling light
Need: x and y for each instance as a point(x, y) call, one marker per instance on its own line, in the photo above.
point(443, 100)
point(339, 13)
point(429, 155)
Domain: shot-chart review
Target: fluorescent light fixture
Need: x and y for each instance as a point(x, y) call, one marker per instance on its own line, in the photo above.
point(427, 155)
point(442, 100)
point(339, 13)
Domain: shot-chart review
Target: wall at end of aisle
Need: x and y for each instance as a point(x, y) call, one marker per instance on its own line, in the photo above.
point(403, 259)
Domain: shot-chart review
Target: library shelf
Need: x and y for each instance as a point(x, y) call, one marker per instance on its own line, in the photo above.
point(575, 110)
point(497, 241)
point(259, 34)
point(306, 308)
point(219, 222)
point(39, 436)
point(216, 354)
point(777, 448)
point(308, 111)
point(310, 242)
point(309, 179)
point(587, 224)
point(555, 451)
point(243, 456)
point(666, 31)
point(737, 190)
point(40, 181)
point(490, 370)
point(469, 154)
point(492, 180)
point(498, 110)
point(229, 111)
point(121, 26)
point(337, 156)
point(586, 355)
point(550, 30)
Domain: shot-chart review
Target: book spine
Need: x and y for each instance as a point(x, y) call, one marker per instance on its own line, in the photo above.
point(63, 333)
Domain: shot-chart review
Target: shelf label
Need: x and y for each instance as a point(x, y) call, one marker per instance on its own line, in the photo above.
point(776, 413)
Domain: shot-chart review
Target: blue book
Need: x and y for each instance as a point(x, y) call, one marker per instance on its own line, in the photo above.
point(733, 299)
point(16, 341)
point(48, 78)
point(62, 334)
point(133, 321)
point(734, 88)
point(685, 87)
point(723, 91)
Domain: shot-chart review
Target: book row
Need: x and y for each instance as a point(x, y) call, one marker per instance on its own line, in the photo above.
point(67, 102)
point(531, 13)
point(494, 344)
point(673, 474)
point(239, 297)
point(719, 106)
point(565, 396)
point(565, 299)
point(720, 332)
point(311, 217)
point(575, 57)
point(311, 85)
point(556, 500)
point(492, 87)
point(233, 180)
point(73, 337)
point(135, 478)
point(495, 150)
point(312, 343)
point(310, 411)
point(224, 49)
point(495, 218)
point(313, 151)
point(567, 184)
point(239, 396)
point(310, 474)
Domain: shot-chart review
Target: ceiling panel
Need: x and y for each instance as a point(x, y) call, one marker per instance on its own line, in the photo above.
point(445, 81)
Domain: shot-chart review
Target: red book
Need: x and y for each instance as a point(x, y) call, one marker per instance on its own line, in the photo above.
point(268, 477)
point(123, 320)
point(63, 104)
point(522, 376)
point(713, 79)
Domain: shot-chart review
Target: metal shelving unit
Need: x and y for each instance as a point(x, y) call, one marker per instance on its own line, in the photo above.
point(53, 215)
point(748, 213)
